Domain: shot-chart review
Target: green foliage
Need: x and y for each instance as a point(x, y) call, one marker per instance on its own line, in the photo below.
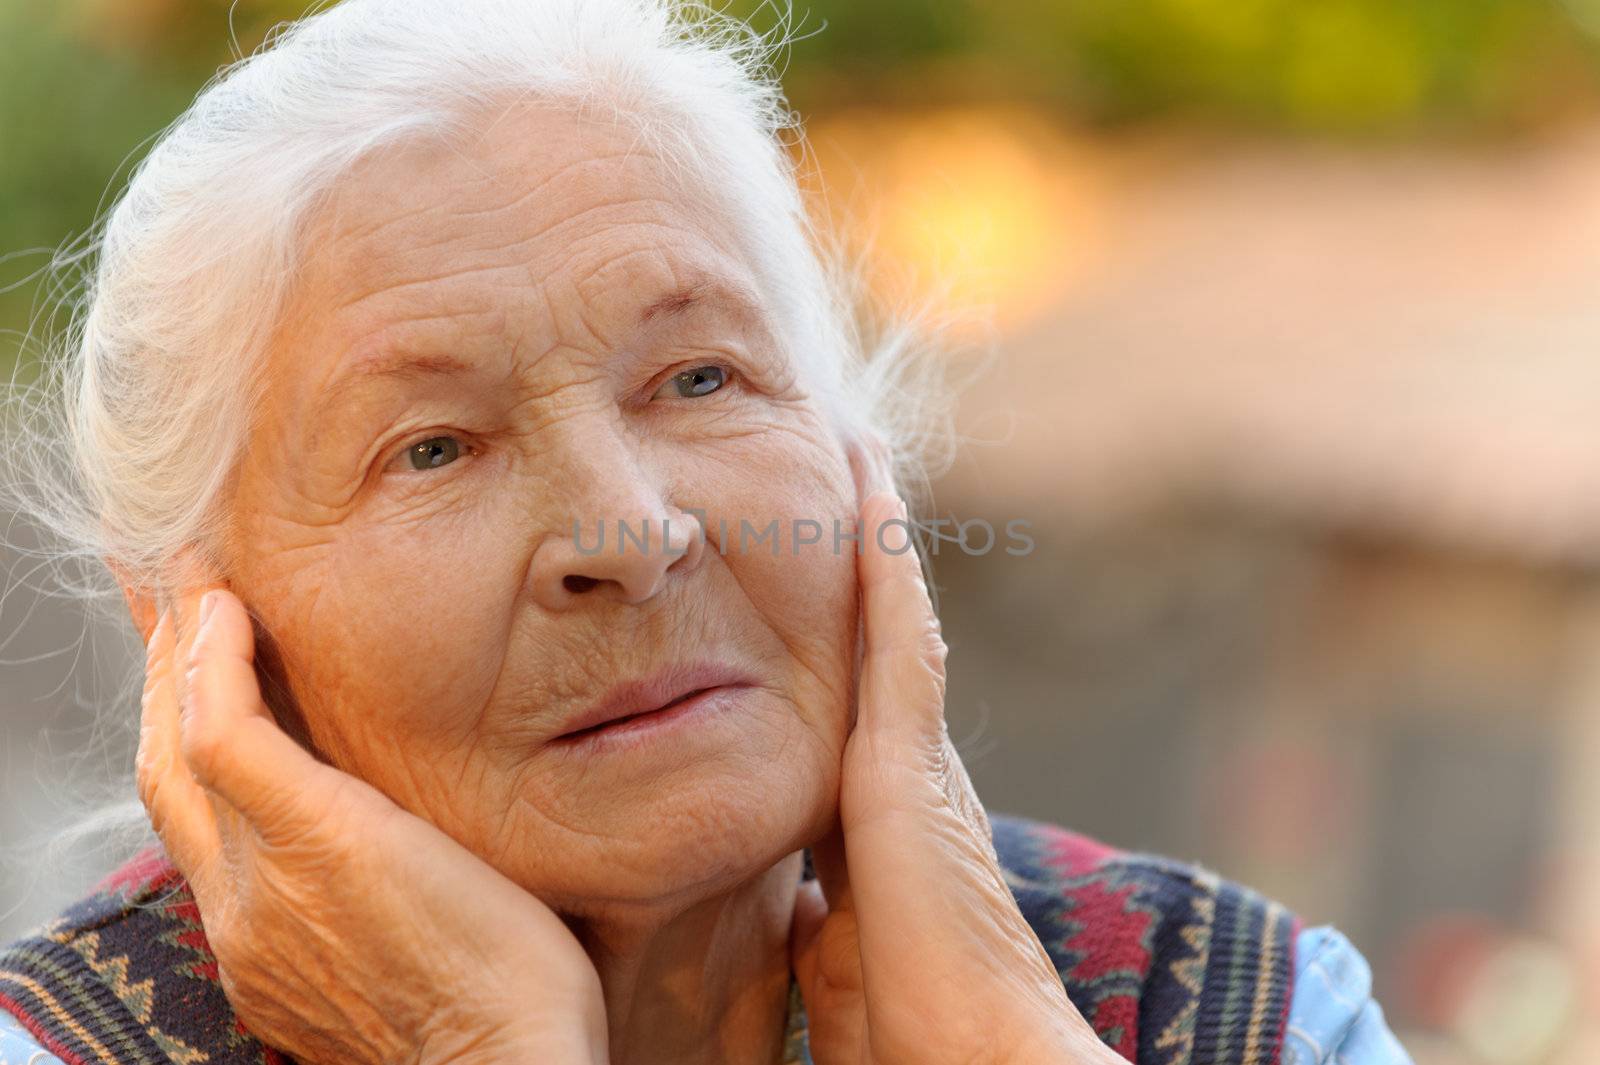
point(1354, 67)
point(1334, 65)
point(76, 113)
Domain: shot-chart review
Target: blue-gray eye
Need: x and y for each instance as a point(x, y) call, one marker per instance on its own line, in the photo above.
point(700, 381)
point(435, 452)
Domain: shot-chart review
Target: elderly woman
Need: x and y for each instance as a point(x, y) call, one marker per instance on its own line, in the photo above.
point(404, 318)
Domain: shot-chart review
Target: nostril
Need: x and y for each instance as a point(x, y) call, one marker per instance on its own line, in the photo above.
point(577, 584)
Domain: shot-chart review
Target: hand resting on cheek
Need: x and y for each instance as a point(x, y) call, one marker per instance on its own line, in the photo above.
point(345, 928)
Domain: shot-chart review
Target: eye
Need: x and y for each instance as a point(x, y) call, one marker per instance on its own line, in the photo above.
point(692, 384)
point(431, 453)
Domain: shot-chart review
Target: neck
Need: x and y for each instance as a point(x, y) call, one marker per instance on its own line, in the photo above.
point(707, 984)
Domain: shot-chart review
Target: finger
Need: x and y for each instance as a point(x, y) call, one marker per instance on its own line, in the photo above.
point(810, 910)
point(826, 958)
point(230, 740)
point(179, 809)
point(901, 693)
point(824, 955)
point(828, 862)
point(187, 617)
point(909, 809)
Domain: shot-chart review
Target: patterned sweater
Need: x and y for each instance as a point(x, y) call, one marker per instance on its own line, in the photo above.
point(1171, 965)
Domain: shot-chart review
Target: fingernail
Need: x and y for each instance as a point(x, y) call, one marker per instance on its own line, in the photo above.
point(208, 602)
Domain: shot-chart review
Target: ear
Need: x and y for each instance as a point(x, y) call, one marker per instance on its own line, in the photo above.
point(141, 600)
point(871, 464)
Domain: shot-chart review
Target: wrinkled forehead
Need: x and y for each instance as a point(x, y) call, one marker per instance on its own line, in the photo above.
point(569, 220)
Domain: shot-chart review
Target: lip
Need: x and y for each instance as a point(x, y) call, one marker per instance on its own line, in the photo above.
point(661, 692)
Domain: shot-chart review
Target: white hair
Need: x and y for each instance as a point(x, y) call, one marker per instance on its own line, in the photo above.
point(156, 378)
point(125, 449)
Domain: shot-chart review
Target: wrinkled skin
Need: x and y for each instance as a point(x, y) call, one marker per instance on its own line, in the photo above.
point(521, 303)
point(345, 928)
point(447, 585)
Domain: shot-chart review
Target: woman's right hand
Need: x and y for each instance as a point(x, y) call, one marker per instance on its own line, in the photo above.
point(345, 928)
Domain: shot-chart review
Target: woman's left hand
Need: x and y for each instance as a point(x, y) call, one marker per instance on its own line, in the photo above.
point(910, 946)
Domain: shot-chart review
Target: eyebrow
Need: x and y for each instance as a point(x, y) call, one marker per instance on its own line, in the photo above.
point(682, 300)
point(408, 367)
point(423, 367)
point(672, 304)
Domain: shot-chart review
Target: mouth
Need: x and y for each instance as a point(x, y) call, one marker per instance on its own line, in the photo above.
point(669, 694)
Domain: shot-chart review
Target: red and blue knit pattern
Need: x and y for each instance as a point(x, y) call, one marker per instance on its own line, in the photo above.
point(1171, 965)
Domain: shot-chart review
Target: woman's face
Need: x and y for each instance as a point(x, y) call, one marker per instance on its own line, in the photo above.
point(486, 344)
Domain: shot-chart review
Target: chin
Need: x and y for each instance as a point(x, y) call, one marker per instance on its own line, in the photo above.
point(686, 843)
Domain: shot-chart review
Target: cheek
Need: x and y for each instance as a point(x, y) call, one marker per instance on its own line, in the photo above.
point(806, 592)
point(809, 598)
point(391, 639)
point(810, 604)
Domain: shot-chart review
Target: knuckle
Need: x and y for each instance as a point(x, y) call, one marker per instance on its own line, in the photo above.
point(157, 816)
point(191, 677)
point(838, 955)
point(152, 693)
point(145, 782)
point(145, 770)
point(149, 776)
point(203, 746)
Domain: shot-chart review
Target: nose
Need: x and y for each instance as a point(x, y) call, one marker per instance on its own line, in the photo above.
point(624, 556)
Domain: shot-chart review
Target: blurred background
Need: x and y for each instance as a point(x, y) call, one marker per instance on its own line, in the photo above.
point(1297, 377)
